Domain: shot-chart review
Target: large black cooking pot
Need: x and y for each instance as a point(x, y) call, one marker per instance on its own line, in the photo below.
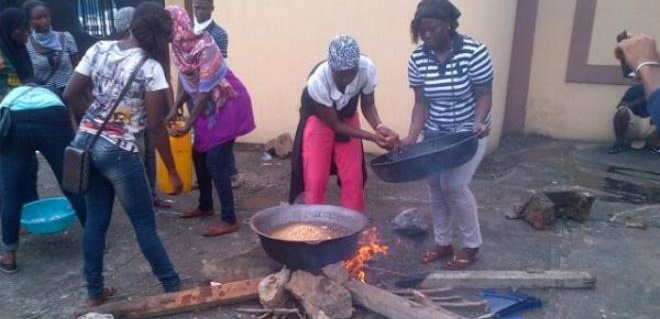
point(418, 161)
point(309, 256)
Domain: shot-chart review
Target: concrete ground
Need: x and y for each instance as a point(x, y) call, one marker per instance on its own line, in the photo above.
point(624, 260)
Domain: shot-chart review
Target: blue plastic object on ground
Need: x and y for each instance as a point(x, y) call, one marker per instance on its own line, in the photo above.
point(509, 305)
point(48, 215)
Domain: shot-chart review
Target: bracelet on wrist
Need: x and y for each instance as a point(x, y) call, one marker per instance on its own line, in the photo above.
point(380, 125)
point(645, 64)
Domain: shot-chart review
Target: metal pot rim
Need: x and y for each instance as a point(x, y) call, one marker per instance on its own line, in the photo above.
point(362, 220)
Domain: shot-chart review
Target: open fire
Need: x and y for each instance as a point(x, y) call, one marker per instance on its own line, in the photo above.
point(370, 246)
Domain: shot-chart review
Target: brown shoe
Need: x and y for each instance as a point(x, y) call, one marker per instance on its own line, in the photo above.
point(221, 229)
point(192, 213)
point(95, 302)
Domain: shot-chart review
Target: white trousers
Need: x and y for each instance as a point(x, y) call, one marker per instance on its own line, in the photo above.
point(452, 202)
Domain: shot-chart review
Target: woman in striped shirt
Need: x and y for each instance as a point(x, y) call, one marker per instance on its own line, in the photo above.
point(451, 75)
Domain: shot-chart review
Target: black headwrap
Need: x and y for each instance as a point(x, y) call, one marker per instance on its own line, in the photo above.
point(12, 19)
point(434, 9)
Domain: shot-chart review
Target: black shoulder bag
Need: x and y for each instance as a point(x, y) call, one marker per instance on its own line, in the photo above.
point(75, 177)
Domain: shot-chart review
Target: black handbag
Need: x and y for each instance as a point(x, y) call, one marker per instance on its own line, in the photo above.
point(75, 174)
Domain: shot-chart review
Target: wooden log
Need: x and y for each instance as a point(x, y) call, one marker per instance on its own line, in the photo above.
point(572, 202)
point(186, 300)
point(538, 211)
point(510, 279)
point(320, 297)
point(272, 293)
point(384, 302)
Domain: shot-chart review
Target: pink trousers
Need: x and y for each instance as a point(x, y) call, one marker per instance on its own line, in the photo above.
point(318, 149)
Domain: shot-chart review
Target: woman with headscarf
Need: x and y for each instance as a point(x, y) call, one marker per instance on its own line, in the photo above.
point(116, 168)
point(329, 131)
point(451, 75)
point(54, 54)
point(222, 112)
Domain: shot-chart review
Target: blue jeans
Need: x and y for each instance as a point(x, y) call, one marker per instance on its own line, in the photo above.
point(45, 130)
point(114, 171)
point(216, 167)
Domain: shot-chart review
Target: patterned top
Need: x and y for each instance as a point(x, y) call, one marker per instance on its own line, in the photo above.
point(109, 68)
point(449, 86)
point(323, 90)
point(8, 77)
point(220, 37)
point(43, 69)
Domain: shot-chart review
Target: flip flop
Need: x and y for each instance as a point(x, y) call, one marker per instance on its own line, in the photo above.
point(436, 253)
point(460, 263)
point(221, 229)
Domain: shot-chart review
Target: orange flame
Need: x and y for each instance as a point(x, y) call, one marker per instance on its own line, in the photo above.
point(369, 247)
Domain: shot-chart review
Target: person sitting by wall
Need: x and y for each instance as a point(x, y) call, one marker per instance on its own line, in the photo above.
point(641, 54)
point(633, 126)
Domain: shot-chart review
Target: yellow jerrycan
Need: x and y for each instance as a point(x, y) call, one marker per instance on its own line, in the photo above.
point(182, 152)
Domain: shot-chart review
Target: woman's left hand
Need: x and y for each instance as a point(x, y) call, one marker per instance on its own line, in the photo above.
point(480, 128)
point(177, 131)
point(227, 90)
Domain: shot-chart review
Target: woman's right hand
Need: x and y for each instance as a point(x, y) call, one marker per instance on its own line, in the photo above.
point(408, 140)
point(176, 182)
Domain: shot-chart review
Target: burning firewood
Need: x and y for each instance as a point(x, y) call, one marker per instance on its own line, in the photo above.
point(320, 297)
point(370, 246)
point(272, 293)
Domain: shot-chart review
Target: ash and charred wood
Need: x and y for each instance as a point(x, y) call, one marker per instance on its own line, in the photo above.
point(510, 279)
point(272, 293)
point(320, 297)
point(384, 302)
point(195, 299)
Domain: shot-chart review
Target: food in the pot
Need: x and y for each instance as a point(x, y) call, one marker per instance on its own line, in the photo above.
point(306, 232)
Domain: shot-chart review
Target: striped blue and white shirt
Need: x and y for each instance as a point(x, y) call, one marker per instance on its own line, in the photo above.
point(449, 86)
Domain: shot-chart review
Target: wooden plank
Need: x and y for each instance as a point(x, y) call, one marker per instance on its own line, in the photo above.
point(392, 306)
point(510, 279)
point(183, 301)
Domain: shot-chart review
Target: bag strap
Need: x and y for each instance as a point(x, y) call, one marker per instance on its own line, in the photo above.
point(116, 103)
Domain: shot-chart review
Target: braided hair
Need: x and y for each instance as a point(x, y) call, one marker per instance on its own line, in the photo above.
point(151, 28)
point(434, 9)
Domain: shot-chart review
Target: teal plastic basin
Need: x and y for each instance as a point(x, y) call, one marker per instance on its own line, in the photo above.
point(48, 215)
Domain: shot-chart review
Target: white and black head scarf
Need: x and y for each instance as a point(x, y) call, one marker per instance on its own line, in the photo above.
point(343, 53)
